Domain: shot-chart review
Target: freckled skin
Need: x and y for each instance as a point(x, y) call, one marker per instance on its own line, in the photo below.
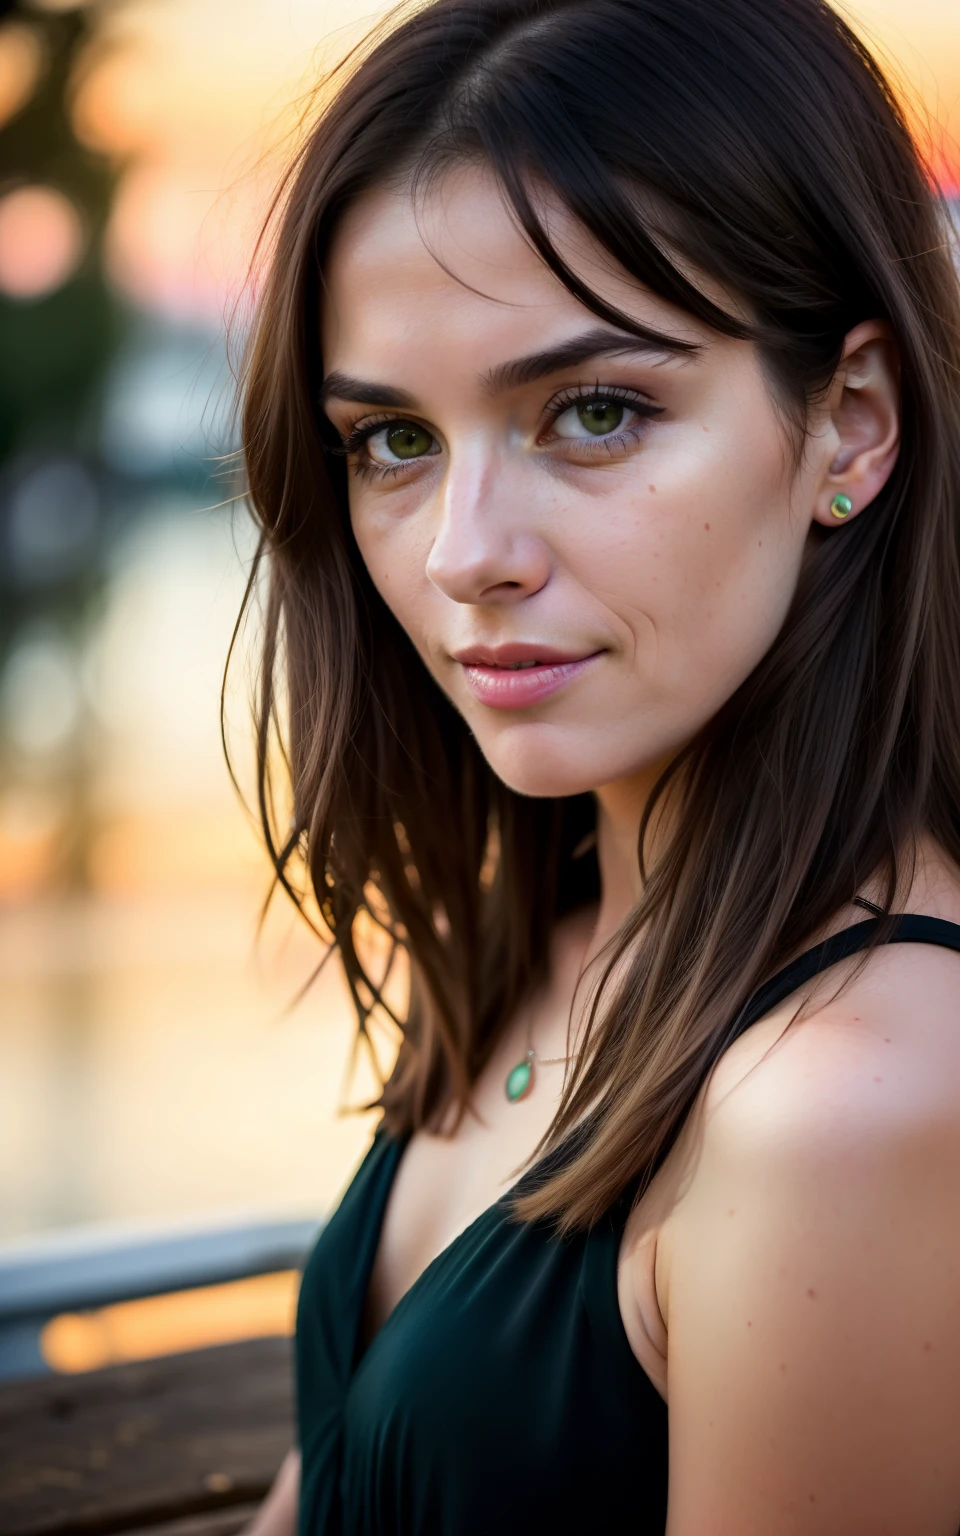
point(501, 536)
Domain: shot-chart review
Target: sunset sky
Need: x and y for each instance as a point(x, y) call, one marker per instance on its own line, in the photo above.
point(205, 98)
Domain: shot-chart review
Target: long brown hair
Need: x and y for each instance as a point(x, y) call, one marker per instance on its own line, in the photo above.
point(762, 143)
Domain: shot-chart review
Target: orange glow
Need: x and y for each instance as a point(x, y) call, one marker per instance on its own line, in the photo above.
point(28, 831)
point(182, 849)
point(165, 1325)
point(917, 43)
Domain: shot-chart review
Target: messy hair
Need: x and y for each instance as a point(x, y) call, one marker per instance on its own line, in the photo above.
point(759, 144)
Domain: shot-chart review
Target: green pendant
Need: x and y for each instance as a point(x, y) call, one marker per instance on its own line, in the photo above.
point(520, 1079)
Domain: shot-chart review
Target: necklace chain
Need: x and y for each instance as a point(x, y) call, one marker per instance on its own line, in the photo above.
point(549, 1061)
point(520, 1078)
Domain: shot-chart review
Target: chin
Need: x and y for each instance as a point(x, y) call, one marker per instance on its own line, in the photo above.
point(544, 770)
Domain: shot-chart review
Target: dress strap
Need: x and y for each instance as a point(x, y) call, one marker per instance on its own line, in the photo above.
point(907, 928)
point(896, 927)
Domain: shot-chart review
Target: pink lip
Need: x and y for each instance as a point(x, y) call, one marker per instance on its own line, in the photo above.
point(491, 676)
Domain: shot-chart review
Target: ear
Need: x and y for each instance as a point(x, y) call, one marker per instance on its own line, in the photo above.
point(861, 435)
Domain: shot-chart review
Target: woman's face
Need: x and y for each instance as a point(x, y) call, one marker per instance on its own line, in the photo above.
point(529, 485)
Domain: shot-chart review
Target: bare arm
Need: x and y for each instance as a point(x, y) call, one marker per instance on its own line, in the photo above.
point(277, 1515)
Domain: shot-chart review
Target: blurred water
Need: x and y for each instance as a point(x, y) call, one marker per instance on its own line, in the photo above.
point(147, 1070)
point(146, 1074)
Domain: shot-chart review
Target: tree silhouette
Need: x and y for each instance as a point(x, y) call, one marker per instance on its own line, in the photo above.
point(56, 349)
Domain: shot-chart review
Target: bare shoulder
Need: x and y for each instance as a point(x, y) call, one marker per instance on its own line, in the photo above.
point(808, 1270)
point(874, 1038)
point(889, 1020)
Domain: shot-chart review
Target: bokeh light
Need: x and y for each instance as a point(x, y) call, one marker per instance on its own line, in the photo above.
point(53, 517)
point(21, 64)
point(41, 241)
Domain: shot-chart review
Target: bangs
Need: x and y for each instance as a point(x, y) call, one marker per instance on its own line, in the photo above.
point(619, 216)
point(521, 110)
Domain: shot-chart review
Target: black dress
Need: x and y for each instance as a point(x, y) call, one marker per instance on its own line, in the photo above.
point(501, 1394)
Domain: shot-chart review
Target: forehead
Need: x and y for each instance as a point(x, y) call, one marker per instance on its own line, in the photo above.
point(450, 269)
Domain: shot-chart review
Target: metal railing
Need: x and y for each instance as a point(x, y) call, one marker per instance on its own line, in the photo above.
point(77, 1272)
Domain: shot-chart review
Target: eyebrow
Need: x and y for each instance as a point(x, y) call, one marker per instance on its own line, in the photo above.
point(598, 342)
point(344, 386)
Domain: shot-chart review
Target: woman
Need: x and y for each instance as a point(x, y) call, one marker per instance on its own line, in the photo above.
point(602, 422)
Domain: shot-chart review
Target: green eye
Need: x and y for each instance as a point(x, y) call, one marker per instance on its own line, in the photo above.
point(408, 441)
point(600, 416)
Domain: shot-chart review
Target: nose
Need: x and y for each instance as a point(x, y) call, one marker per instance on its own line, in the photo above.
point(487, 548)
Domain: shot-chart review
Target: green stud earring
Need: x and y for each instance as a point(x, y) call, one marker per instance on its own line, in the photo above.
point(841, 506)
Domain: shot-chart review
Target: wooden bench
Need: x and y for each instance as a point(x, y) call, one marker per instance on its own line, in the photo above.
point(184, 1445)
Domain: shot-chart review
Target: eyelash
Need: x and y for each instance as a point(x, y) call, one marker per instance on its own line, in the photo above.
point(575, 394)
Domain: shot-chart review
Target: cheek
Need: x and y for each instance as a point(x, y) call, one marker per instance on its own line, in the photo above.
point(697, 575)
point(395, 551)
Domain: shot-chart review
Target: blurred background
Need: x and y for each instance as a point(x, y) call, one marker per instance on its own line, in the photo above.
point(152, 1071)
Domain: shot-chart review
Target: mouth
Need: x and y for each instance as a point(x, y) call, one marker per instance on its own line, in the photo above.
point(521, 675)
point(519, 656)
